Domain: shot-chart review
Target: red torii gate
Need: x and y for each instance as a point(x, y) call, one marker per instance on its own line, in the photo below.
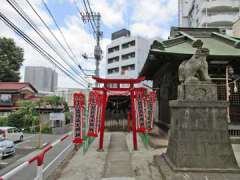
point(106, 89)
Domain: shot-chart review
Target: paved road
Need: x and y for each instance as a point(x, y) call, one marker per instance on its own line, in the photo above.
point(26, 147)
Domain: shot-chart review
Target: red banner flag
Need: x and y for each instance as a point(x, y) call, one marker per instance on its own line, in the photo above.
point(140, 113)
point(150, 109)
point(78, 118)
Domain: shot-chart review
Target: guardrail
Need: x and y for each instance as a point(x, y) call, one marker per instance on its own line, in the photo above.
point(39, 158)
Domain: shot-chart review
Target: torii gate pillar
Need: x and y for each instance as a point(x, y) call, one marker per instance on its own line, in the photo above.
point(107, 88)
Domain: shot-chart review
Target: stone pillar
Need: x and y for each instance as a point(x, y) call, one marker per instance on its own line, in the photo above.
point(199, 146)
point(199, 131)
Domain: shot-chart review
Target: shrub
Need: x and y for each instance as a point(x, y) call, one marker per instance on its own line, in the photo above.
point(3, 121)
point(46, 130)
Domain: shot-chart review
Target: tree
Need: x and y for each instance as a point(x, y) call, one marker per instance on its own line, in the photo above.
point(24, 117)
point(11, 59)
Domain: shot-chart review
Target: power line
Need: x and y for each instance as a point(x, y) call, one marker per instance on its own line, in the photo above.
point(38, 48)
point(89, 17)
point(59, 29)
point(51, 32)
point(81, 16)
point(22, 13)
point(89, 6)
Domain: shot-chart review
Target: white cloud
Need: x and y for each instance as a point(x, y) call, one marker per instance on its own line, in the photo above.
point(112, 12)
point(148, 30)
point(153, 18)
point(155, 11)
point(149, 18)
point(79, 40)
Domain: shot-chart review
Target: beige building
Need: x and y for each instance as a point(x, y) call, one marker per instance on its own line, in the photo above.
point(67, 94)
point(236, 28)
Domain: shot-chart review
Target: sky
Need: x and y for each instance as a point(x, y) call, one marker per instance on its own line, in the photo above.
point(147, 18)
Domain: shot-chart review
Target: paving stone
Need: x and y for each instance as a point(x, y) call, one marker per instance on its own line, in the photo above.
point(118, 162)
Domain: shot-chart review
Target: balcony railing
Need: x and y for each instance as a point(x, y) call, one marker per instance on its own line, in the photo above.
point(219, 19)
point(221, 5)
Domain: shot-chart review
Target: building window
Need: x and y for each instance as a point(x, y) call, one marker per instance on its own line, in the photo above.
point(128, 44)
point(113, 70)
point(113, 49)
point(114, 59)
point(128, 68)
point(6, 100)
point(128, 56)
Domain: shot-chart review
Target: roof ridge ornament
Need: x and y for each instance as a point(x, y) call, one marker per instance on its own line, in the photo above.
point(157, 45)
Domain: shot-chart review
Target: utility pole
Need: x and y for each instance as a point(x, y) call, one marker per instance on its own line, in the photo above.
point(96, 18)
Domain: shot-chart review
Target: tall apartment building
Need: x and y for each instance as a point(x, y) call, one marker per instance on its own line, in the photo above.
point(126, 55)
point(42, 78)
point(208, 13)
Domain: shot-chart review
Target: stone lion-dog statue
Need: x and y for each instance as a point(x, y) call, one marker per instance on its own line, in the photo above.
point(196, 68)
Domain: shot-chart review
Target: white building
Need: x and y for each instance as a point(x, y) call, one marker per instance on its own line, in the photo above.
point(126, 55)
point(208, 13)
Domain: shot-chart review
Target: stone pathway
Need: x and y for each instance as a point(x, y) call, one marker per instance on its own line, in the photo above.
point(118, 161)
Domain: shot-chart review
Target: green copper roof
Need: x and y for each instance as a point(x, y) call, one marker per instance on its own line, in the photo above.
point(218, 44)
point(183, 44)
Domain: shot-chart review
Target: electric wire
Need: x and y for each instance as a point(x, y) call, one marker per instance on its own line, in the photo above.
point(90, 17)
point(61, 32)
point(38, 48)
point(89, 6)
point(79, 12)
point(51, 32)
point(22, 13)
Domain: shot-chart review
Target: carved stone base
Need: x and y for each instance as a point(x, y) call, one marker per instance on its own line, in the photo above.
point(199, 136)
point(199, 132)
point(197, 90)
point(168, 173)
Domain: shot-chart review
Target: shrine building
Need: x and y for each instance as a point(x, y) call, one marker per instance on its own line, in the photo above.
point(165, 57)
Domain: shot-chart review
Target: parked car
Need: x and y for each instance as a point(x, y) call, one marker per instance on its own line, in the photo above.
point(12, 133)
point(7, 147)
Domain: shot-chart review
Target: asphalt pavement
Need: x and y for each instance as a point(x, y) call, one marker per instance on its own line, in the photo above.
point(26, 149)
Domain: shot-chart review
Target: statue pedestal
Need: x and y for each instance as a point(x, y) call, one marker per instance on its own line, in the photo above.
point(199, 141)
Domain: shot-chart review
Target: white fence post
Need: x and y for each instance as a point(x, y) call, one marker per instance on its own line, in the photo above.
point(39, 173)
